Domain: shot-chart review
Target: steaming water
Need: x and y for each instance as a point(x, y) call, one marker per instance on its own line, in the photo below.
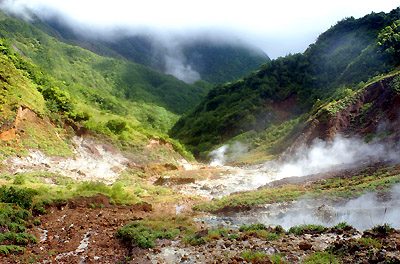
point(362, 213)
point(237, 180)
point(321, 157)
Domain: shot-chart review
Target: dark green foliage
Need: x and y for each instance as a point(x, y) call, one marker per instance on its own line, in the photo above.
point(17, 238)
point(116, 126)
point(219, 63)
point(255, 256)
point(216, 62)
point(144, 236)
point(342, 226)
point(79, 117)
point(344, 55)
point(383, 229)
point(195, 239)
point(10, 249)
point(252, 227)
point(395, 84)
point(22, 197)
point(307, 229)
point(389, 40)
point(13, 218)
point(57, 100)
point(13, 221)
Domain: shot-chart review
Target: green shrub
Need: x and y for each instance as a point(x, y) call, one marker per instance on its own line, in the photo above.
point(252, 227)
point(17, 238)
point(307, 229)
point(116, 126)
point(254, 256)
point(19, 179)
point(194, 239)
point(57, 100)
point(79, 117)
point(22, 197)
point(369, 242)
point(217, 233)
point(383, 229)
point(321, 258)
point(10, 249)
point(142, 235)
point(342, 226)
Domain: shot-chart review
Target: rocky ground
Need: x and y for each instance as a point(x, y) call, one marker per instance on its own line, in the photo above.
point(80, 231)
point(348, 245)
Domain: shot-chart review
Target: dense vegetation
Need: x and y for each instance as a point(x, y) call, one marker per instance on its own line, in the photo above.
point(127, 102)
point(348, 53)
point(217, 62)
point(105, 79)
point(220, 62)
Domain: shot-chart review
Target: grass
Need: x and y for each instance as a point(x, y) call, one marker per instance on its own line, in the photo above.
point(321, 258)
point(254, 256)
point(331, 188)
point(369, 242)
point(144, 233)
point(130, 188)
point(204, 236)
point(307, 229)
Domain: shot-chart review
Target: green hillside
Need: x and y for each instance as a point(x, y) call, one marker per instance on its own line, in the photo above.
point(83, 71)
point(282, 90)
point(219, 63)
point(216, 62)
point(122, 100)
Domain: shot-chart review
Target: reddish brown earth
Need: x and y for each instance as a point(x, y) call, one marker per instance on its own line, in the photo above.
point(357, 119)
point(67, 225)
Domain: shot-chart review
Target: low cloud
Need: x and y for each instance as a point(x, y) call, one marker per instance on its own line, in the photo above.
point(278, 28)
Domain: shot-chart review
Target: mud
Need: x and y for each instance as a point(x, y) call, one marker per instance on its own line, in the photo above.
point(78, 233)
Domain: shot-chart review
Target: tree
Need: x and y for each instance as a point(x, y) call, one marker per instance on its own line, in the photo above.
point(389, 40)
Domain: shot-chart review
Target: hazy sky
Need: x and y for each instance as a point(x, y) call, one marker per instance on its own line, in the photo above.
point(278, 27)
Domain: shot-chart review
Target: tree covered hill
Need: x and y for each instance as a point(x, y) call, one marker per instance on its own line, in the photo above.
point(215, 61)
point(126, 102)
point(342, 57)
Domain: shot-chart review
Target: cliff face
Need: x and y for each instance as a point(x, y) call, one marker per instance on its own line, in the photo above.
point(373, 112)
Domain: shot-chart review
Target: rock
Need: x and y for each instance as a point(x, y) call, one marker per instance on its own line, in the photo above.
point(305, 245)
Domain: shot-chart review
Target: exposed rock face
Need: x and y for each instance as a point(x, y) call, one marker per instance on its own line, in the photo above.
point(375, 110)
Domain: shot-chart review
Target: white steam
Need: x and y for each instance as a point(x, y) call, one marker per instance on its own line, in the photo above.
point(174, 65)
point(227, 153)
point(364, 212)
point(320, 157)
point(218, 157)
point(323, 156)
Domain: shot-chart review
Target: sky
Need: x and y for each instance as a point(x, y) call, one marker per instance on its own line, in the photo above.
point(277, 27)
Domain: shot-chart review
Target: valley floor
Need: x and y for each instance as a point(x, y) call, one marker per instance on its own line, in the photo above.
point(206, 220)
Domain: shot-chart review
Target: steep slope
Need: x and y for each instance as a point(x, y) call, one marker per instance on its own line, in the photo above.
point(348, 53)
point(83, 71)
point(371, 112)
point(24, 121)
point(215, 61)
point(52, 89)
